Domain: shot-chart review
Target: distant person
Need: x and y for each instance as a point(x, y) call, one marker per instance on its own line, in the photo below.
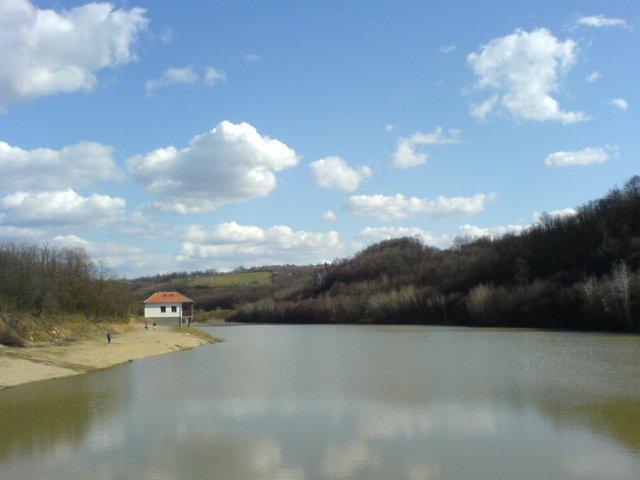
point(154, 325)
point(108, 336)
point(146, 326)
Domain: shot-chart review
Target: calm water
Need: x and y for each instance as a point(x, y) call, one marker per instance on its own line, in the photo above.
point(341, 402)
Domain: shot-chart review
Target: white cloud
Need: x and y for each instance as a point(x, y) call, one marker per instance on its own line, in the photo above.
point(251, 57)
point(406, 155)
point(232, 163)
point(59, 208)
point(388, 208)
point(172, 76)
point(448, 49)
point(385, 233)
point(593, 76)
point(329, 216)
point(213, 76)
point(46, 169)
point(525, 68)
point(601, 21)
point(587, 156)
point(230, 244)
point(438, 137)
point(186, 75)
point(389, 127)
point(481, 110)
point(620, 103)
point(333, 172)
point(230, 232)
point(18, 232)
point(45, 52)
point(130, 261)
point(564, 212)
point(491, 232)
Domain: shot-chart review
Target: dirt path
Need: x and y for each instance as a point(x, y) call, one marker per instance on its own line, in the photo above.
point(23, 365)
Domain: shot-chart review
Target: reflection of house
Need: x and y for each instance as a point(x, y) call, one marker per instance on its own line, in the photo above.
point(169, 306)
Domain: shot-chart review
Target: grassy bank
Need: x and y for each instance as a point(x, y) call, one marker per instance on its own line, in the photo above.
point(23, 329)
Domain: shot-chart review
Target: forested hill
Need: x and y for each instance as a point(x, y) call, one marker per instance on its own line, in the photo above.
point(580, 271)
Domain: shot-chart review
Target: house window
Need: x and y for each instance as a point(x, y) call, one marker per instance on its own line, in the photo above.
point(163, 309)
point(174, 309)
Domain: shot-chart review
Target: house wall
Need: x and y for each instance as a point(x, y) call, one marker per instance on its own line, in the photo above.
point(153, 310)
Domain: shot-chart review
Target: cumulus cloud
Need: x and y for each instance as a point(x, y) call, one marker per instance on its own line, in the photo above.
point(230, 244)
point(474, 231)
point(329, 216)
point(19, 232)
point(406, 155)
point(620, 103)
point(388, 208)
point(130, 261)
point(230, 164)
point(601, 21)
point(45, 52)
point(47, 169)
point(587, 156)
point(525, 68)
point(333, 172)
point(59, 208)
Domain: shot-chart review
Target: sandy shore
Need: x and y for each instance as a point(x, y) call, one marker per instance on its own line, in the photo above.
point(29, 364)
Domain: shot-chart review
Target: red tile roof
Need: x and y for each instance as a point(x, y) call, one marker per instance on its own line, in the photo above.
point(168, 297)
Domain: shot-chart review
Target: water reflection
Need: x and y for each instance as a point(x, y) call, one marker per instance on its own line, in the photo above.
point(56, 415)
point(341, 403)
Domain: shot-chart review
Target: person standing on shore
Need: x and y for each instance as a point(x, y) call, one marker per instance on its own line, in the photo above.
point(108, 336)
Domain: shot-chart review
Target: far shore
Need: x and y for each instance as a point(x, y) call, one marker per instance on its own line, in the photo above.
point(42, 362)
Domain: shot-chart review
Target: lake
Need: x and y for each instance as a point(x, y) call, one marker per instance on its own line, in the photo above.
point(341, 402)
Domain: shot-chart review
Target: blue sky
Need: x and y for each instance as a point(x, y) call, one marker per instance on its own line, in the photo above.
point(165, 136)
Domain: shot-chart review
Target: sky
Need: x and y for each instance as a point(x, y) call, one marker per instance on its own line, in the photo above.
point(164, 136)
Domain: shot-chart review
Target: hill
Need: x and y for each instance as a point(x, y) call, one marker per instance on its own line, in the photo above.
point(579, 272)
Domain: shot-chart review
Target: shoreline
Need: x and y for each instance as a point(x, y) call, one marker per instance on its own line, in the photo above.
point(20, 365)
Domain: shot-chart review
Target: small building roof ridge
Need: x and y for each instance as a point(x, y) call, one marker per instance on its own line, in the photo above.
point(164, 297)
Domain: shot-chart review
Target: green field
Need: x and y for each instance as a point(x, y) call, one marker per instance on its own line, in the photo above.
point(228, 280)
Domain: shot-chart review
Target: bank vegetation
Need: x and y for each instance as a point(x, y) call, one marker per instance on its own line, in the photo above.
point(42, 286)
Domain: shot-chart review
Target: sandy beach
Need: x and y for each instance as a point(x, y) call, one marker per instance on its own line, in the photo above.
point(32, 363)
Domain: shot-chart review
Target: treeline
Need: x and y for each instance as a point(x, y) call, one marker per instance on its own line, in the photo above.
point(42, 280)
point(580, 271)
point(284, 280)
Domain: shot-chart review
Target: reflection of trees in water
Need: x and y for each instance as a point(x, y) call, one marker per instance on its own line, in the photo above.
point(618, 419)
point(40, 416)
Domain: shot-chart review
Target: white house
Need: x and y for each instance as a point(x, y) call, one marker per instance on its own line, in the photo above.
point(169, 306)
